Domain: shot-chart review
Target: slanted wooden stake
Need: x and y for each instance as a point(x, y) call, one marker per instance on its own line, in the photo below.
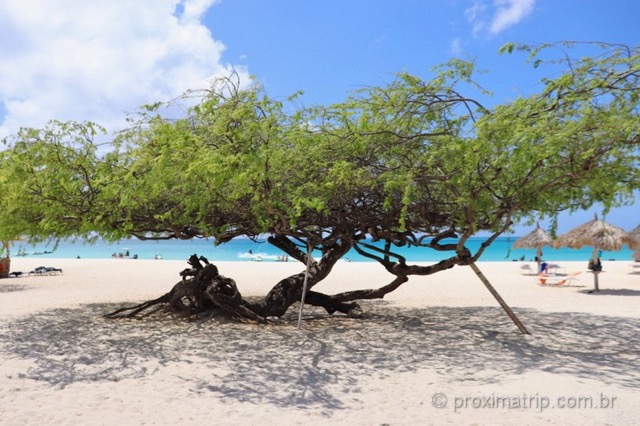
point(305, 282)
point(501, 301)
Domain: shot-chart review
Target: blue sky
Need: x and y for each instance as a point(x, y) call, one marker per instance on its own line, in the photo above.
point(74, 59)
point(330, 47)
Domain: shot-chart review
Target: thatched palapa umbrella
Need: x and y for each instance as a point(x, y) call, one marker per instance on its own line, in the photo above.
point(536, 239)
point(599, 235)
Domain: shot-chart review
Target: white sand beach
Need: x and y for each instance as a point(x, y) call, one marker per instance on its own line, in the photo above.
point(438, 351)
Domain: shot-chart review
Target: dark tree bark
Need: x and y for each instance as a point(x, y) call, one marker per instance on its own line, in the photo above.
point(289, 291)
point(203, 289)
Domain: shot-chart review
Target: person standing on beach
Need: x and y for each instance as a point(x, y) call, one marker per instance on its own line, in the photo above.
point(544, 266)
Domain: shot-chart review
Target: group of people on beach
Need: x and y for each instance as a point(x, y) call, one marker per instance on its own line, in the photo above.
point(125, 255)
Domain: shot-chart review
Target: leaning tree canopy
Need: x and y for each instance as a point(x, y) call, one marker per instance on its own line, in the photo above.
point(411, 157)
point(411, 162)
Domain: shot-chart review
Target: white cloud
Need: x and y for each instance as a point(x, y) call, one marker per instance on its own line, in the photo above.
point(380, 39)
point(504, 14)
point(96, 60)
point(194, 9)
point(456, 47)
point(510, 12)
point(474, 16)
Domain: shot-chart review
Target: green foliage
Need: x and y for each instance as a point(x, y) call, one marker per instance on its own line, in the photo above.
point(412, 156)
point(576, 142)
point(51, 180)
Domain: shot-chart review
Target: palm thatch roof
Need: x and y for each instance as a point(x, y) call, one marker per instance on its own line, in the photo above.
point(597, 234)
point(535, 239)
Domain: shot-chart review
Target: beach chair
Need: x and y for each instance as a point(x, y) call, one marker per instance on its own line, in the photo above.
point(549, 280)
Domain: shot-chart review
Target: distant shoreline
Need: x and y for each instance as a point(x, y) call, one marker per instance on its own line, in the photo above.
point(244, 250)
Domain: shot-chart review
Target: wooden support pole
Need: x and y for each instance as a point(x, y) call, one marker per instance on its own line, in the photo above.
point(500, 300)
point(305, 282)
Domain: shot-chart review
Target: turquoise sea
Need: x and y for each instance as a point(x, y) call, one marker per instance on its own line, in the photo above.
point(242, 249)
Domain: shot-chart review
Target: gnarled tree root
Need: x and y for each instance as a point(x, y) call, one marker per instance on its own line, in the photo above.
point(203, 291)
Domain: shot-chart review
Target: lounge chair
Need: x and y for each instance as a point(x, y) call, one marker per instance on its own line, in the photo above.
point(549, 280)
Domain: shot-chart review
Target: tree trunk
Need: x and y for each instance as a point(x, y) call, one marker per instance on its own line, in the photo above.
point(203, 290)
point(289, 291)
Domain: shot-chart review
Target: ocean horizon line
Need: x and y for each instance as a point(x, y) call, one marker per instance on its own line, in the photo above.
point(245, 249)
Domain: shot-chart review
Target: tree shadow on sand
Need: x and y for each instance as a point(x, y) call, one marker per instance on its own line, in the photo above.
point(612, 292)
point(10, 288)
point(329, 359)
